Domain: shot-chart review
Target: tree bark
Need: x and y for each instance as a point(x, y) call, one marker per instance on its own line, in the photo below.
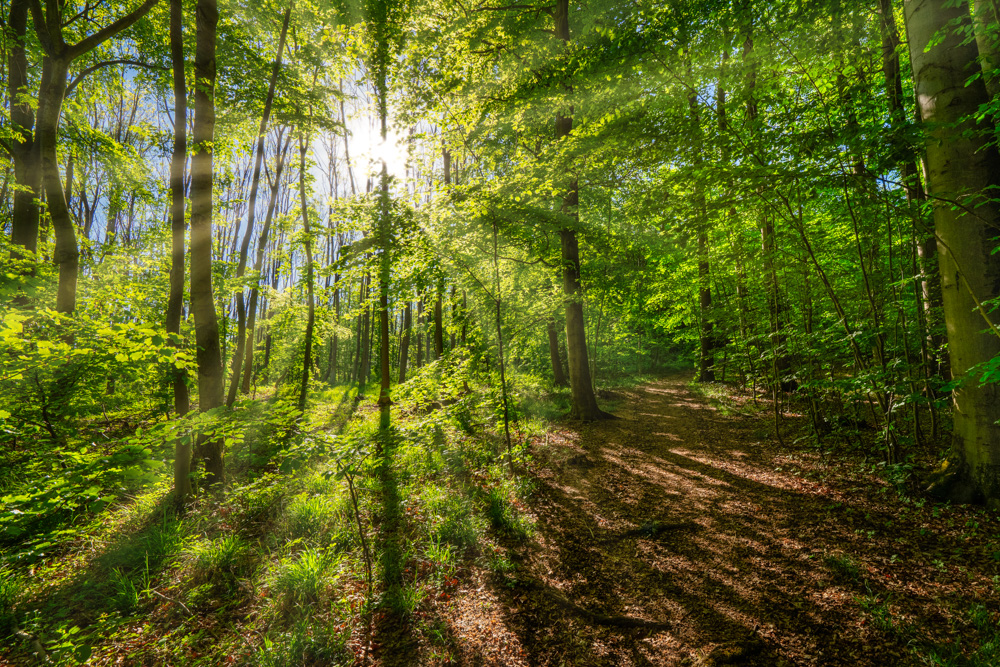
point(962, 168)
point(310, 288)
point(404, 345)
point(206, 324)
point(584, 402)
point(24, 146)
point(55, 66)
point(985, 19)
point(558, 377)
point(420, 334)
point(66, 254)
point(706, 356)
point(175, 302)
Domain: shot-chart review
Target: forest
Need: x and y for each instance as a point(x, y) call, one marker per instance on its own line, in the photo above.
point(500, 332)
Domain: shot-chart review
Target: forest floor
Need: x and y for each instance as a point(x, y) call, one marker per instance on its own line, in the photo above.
point(682, 534)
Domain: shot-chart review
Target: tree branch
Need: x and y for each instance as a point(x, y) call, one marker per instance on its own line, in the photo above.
point(89, 43)
point(93, 68)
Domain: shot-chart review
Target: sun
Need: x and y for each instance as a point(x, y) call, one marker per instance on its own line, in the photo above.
point(392, 151)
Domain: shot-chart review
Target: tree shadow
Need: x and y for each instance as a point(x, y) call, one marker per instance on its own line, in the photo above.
point(757, 568)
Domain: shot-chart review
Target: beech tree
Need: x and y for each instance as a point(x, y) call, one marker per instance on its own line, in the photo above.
point(962, 168)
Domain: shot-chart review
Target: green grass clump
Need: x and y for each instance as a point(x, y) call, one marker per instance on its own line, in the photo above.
point(504, 515)
point(310, 518)
point(222, 562)
point(301, 580)
point(11, 587)
point(453, 518)
point(843, 566)
point(308, 642)
point(256, 504)
point(987, 654)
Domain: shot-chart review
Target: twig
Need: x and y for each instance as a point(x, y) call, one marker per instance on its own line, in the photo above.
point(170, 599)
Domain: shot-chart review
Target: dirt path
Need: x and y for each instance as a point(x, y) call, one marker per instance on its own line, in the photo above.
point(678, 513)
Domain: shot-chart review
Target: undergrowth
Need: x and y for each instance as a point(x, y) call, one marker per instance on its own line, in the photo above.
point(326, 529)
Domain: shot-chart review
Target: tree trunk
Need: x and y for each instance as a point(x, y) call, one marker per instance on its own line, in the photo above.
point(206, 323)
point(420, 335)
point(310, 288)
point(962, 166)
point(584, 402)
point(383, 293)
point(706, 356)
point(404, 345)
point(985, 19)
point(52, 91)
point(454, 317)
point(67, 252)
point(24, 146)
point(558, 377)
point(439, 323)
point(365, 347)
point(175, 302)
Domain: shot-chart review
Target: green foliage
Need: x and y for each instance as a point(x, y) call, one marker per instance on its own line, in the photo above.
point(221, 563)
point(300, 581)
point(844, 567)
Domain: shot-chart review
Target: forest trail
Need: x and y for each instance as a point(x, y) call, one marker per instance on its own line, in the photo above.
point(682, 513)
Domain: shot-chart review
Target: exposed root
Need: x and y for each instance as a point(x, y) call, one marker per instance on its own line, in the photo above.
point(652, 530)
point(597, 618)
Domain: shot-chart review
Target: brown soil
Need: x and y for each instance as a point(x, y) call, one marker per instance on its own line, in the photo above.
point(688, 517)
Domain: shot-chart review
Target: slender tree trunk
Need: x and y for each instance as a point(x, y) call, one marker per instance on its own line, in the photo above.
point(404, 345)
point(59, 55)
point(465, 317)
point(24, 146)
point(454, 317)
point(963, 165)
point(584, 402)
point(310, 289)
point(706, 357)
point(67, 252)
point(985, 20)
point(364, 351)
point(439, 322)
point(206, 323)
point(558, 377)
point(384, 402)
point(175, 302)
point(420, 334)
point(258, 266)
point(252, 213)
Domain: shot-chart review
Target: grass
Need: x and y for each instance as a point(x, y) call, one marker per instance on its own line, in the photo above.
point(275, 564)
point(843, 567)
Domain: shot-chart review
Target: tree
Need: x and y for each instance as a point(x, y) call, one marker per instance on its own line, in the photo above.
point(584, 404)
point(59, 56)
point(175, 302)
point(962, 169)
point(209, 355)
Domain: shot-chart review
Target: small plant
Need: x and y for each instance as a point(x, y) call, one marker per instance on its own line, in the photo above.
point(10, 592)
point(125, 594)
point(504, 516)
point(311, 518)
point(307, 643)
point(222, 562)
point(843, 566)
point(453, 518)
point(878, 612)
point(301, 581)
